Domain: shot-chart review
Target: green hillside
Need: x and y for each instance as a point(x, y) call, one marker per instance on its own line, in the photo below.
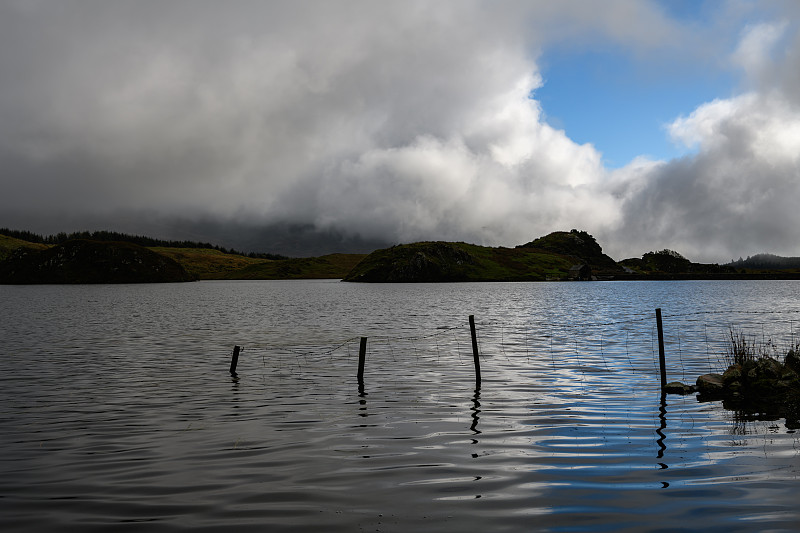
point(443, 261)
point(580, 246)
point(208, 263)
point(199, 260)
point(334, 266)
point(560, 255)
point(9, 244)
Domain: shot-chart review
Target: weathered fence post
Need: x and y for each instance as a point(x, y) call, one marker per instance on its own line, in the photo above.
point(234, 359)
point(475, 350)
point(362, 353)
point(661, 361)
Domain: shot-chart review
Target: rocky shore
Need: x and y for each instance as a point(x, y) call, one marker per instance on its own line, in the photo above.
point(758, 388)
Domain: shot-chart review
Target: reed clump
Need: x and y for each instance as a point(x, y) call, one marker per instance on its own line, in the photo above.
point(740, 351)
point(758, 380)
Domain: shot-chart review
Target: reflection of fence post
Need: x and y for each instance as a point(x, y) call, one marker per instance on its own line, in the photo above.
point(661, 361)
point(234, 359)
point(362, 353)
point(475, 351)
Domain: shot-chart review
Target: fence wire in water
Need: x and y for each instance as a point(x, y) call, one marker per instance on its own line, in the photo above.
point(617, 353)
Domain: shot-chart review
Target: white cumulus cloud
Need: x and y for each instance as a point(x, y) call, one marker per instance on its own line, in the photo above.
point(395, 121)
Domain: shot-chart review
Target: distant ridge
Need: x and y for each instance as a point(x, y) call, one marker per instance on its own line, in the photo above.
point(767, 262)
point(199, 260)
point(560, 255)
point(114, 236)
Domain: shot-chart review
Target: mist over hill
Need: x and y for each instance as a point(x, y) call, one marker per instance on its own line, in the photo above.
point(560, 255)
point(767, 262)
point(281, 238)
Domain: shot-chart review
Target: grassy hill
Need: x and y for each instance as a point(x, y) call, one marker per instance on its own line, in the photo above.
point(9, 244)
point(560, 255)
point(213, 264)
point(208, 263)
point(82, 261)
point(445, 261)
point(334, 266)
point(580, 246)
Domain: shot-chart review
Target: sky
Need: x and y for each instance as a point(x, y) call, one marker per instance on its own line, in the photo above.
point(649, 124)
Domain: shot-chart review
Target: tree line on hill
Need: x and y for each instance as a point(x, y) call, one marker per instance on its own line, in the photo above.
point(113, 236)
point(767, 262)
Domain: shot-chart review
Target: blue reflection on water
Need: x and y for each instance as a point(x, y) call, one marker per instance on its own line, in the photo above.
point(118, 408)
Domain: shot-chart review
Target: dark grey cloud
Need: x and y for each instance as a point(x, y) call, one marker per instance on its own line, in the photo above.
point(400, 120)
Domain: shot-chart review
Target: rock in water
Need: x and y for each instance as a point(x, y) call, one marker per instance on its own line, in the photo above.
point(676, 387)
point(710, 385)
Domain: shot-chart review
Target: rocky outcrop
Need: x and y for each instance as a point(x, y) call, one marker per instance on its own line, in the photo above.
point(579, 245)
point(85, 261)
point(710, 385)
point(676, 387)
point(761, 379)
point(758, 388)
point(421, 262)
point(458, 261)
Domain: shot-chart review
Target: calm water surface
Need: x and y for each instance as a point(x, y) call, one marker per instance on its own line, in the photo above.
point(117, 410)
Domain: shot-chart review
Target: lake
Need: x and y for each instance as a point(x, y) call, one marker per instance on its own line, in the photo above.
point(119, 412)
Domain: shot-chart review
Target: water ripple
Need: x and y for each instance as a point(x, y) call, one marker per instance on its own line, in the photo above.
point(117, 411)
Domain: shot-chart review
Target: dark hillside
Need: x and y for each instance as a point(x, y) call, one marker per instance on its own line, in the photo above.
point(333, 266)
point(767, 262)
point(668, 264)
point(458, 261)
point(9, 244)
point(115, 236)
point(83, 261)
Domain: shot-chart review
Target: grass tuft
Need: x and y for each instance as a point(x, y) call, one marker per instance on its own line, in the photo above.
point(742, 349)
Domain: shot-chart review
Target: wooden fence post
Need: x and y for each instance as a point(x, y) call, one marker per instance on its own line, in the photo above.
point(362, 353)
point(475, 351)
point(234, 359)
point(661, 360)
